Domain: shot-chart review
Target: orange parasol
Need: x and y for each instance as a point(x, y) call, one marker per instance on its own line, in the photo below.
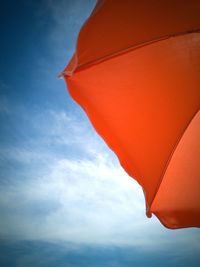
point(136, 73)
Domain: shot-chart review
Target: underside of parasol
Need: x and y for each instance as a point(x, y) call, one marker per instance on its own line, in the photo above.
point(135, 72)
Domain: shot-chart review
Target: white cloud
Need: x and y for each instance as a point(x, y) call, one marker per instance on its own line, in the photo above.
point(83, 191)
point(88, 199)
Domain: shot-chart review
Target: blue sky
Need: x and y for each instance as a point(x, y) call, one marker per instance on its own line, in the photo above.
point(64, 199)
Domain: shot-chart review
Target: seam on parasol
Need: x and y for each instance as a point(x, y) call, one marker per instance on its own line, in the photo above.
point(148, 212)
point(77, 68)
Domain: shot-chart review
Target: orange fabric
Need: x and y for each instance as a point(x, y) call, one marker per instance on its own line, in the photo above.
point(116, 25)
point(180, 207)
point(142, 99)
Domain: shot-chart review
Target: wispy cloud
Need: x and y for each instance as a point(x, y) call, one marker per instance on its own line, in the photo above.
point(75, 197)
point(54, 195)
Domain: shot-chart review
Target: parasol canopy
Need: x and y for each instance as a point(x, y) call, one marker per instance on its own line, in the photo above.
point(136, 73)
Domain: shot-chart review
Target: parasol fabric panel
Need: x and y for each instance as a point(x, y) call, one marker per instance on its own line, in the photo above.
point(136, 74)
